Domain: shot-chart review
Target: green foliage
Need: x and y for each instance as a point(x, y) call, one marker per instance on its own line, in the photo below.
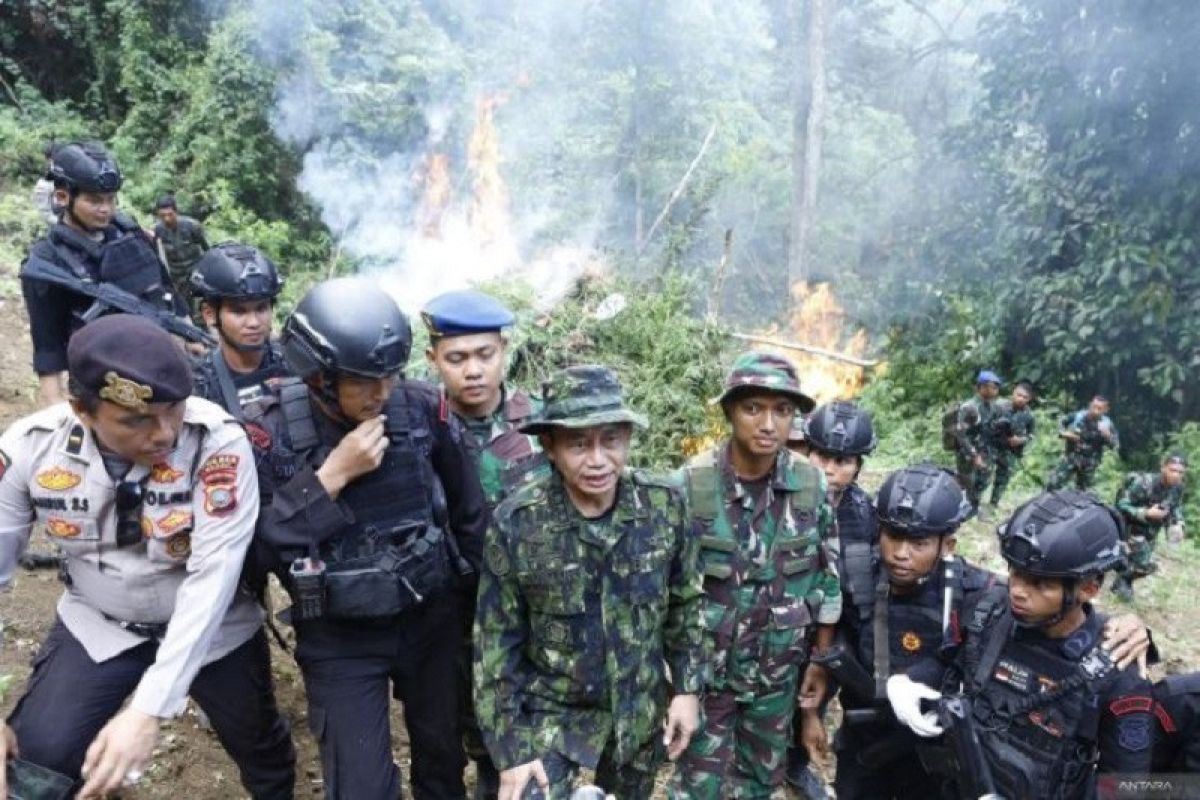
point(669, 359)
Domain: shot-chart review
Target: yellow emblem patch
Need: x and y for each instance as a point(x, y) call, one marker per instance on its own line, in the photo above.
point(165, 473)
point(124, 392)
point(62, 529)
point(910, 642)
point(174, 522)
point(58, 479)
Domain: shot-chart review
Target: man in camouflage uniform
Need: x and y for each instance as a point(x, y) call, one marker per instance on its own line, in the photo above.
point(590, 592)
point(468, 350)
point(1086, 433)
point(769, 556)
point(1149, 502)
point(972, 436)
point(1012, 429)
point(181, 242)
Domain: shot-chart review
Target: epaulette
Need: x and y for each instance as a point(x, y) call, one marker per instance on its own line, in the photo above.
point(702, 485)
point(655, 479)
point(810, 485)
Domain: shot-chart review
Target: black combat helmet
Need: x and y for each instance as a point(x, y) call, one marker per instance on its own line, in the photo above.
point(921, 500)
point(840, 428)
point(232, 271)
point(84, 167)
point(348, 326)
point(1062, 535)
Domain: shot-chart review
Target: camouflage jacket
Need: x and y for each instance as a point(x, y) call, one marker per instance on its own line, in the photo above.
point(1008, 421)
point(505, 457)
point(1092, 441)
point(578, 621)
point(183, 245)
point(1140, 492)
point(973, 427)
point(770, 567)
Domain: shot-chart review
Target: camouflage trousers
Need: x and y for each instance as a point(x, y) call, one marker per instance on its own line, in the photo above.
point(1139, 557)
point(741, 750)
point(1007, 462)
point(622, 781)
point(974, 479)
point(487, 777)
point(1080, 470)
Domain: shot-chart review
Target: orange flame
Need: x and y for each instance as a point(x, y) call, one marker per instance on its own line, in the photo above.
point(488, 215)
point(435, 194)
point(818, 319)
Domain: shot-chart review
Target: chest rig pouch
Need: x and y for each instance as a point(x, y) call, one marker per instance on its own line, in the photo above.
point(396, 552)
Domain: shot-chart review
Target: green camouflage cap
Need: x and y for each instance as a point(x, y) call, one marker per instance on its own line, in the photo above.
point(582, 397)
point(769, 372)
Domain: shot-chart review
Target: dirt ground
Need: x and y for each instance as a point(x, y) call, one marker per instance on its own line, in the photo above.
point(189, 762)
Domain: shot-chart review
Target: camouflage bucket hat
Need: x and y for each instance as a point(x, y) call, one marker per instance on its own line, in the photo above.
point(582, 397)
point(768, 372)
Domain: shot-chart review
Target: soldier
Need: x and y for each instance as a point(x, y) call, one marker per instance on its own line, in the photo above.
point(1086, 433)
point(91, 242)
point(1149, 502)
point(468, 349)
point(839, 436)
point(1049, 704)
point(237, 286)
point(1012, 429)
point(1177, 710)
point(374, 515)
point(152, 496)
point(181, 243)
point(590, 594)
point(769, 555)
point(972, 436)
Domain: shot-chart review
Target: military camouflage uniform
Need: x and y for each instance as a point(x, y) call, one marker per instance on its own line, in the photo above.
point(1138, 494)
point(579, 620)
point(973, 437)
point(1081, 459)
point(1007, 422)
point(506, 457)
point(182, 247)
point(769, 560)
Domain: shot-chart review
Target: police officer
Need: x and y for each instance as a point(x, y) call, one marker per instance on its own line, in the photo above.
point(1149, 502)
point(1086, 434)
point(376, 519)
point(903, 594)
point(152, 497)
point(839, 436)
point(468, 349)
point(1049, 704)
point(590, 594)
point(237, 286)
point(182, 241)
point(769, 554)
point(1012, 430)
point(93, 242)
point(1177, 709)
point(973, 441)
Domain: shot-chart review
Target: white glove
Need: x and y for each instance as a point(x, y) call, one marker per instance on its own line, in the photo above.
point(906, 695)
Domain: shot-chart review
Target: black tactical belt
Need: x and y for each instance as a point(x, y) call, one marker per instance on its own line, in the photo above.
point(147, 630)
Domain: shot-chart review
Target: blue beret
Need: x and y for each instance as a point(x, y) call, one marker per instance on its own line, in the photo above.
point(987, 376)
point(130, 361)
point(465, 312)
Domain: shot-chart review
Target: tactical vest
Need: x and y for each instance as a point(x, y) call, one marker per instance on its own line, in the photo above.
point(396, 553)
point(125, 260)
point(1037, 709)
point(773, 635)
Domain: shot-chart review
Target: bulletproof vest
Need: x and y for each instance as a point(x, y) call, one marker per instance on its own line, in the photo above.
point(395, 553)
point(124, 259)
point(1036, 707)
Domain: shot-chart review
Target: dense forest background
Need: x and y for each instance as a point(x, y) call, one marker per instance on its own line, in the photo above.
point(1009, 184)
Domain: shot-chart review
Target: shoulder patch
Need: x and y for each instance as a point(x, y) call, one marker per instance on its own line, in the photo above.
point(5, 463)
point(1133, 734)
point(1131, 705)
point(259, 436)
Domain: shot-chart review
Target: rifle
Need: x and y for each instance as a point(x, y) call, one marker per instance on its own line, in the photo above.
point(961, 756)
point(111, 298)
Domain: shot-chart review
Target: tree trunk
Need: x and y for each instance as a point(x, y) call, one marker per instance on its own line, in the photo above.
point(808, 102)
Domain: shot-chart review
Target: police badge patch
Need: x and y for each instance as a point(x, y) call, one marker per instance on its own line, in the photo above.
point(1133, 733)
